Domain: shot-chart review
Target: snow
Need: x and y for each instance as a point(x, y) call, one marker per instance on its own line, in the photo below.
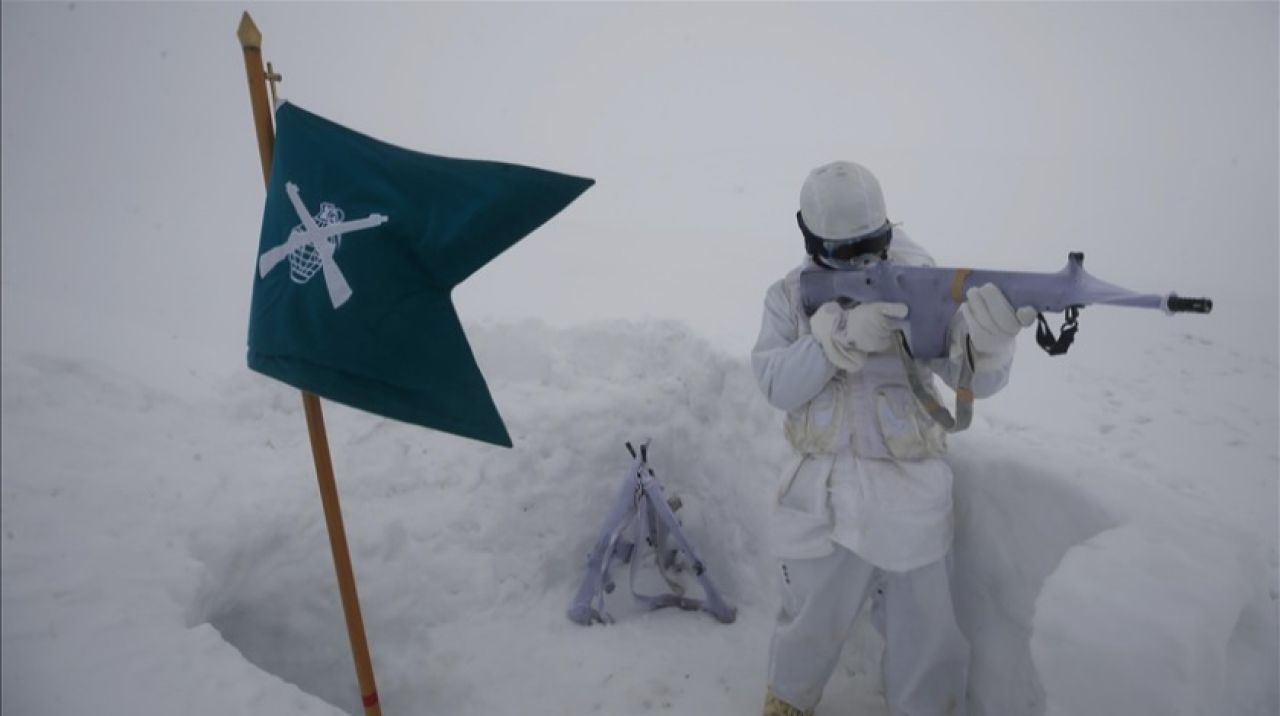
point(164, 551)
point(162, 548)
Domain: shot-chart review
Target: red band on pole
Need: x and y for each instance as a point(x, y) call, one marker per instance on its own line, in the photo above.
point(371, 700)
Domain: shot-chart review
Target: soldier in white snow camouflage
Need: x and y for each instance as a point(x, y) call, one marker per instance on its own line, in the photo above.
point(864, 508)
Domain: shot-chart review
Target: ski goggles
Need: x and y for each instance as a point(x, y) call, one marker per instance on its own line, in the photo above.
point(846, 249)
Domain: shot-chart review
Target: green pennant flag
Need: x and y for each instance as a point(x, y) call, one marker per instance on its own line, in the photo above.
point(361, 244)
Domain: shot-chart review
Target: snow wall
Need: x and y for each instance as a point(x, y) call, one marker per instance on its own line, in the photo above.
point(166, 553)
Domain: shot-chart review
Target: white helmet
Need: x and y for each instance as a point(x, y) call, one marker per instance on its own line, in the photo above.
point(842, 209)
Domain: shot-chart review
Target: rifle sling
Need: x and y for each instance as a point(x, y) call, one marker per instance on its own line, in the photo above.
point(936, 411)
point(1044, 334)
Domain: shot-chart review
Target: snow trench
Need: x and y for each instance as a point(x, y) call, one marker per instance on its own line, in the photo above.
point(447, 533)
point(1014, 524)
point(177, 552)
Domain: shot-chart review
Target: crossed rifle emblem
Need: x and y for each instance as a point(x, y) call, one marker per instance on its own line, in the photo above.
point(317, 238)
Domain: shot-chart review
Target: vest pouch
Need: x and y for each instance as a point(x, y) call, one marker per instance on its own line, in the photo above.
point(817, 427)
point(908, 434)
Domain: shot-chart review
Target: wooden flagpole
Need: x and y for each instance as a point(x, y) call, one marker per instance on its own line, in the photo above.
point(251, 43)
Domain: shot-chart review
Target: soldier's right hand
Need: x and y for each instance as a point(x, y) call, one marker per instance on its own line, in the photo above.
point(848, 335)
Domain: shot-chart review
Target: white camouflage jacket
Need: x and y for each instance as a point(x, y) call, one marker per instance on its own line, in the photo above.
point(868, 472)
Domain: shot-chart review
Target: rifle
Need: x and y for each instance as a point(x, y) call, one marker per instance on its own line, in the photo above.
point(934, 294)
point(641, 503)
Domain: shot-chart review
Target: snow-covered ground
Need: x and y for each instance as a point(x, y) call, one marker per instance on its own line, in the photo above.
point(163, 551)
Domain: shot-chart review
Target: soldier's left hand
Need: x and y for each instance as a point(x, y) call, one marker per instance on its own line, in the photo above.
point(993, 322)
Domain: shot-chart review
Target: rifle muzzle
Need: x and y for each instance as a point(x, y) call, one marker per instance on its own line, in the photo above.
point(1178, 304)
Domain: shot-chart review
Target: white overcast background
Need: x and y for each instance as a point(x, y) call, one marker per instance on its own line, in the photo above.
point(160, 532)
point(1005, 135)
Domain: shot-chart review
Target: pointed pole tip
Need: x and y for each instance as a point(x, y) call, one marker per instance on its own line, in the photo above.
point(250, 36)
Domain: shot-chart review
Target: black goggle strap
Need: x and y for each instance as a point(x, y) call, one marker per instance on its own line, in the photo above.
point(845, 249)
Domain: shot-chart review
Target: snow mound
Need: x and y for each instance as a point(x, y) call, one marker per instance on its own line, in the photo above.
point(163, 554)
point(1121, 628)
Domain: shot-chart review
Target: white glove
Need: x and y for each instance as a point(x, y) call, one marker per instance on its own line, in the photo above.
point(992, 322)
point(847, 336)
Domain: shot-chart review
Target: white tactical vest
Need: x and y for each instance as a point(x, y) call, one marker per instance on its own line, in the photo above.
point(871, 411)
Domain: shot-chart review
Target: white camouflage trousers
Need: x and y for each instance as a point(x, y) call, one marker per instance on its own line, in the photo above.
point(926, 658)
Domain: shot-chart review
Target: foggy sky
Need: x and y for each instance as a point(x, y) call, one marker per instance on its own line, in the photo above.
point(1005, 135)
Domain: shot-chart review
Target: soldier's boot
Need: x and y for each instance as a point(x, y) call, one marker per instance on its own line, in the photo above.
point(774, 706)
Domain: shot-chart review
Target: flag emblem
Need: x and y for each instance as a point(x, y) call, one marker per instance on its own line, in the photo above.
point(305, 261)
point(312, 244)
